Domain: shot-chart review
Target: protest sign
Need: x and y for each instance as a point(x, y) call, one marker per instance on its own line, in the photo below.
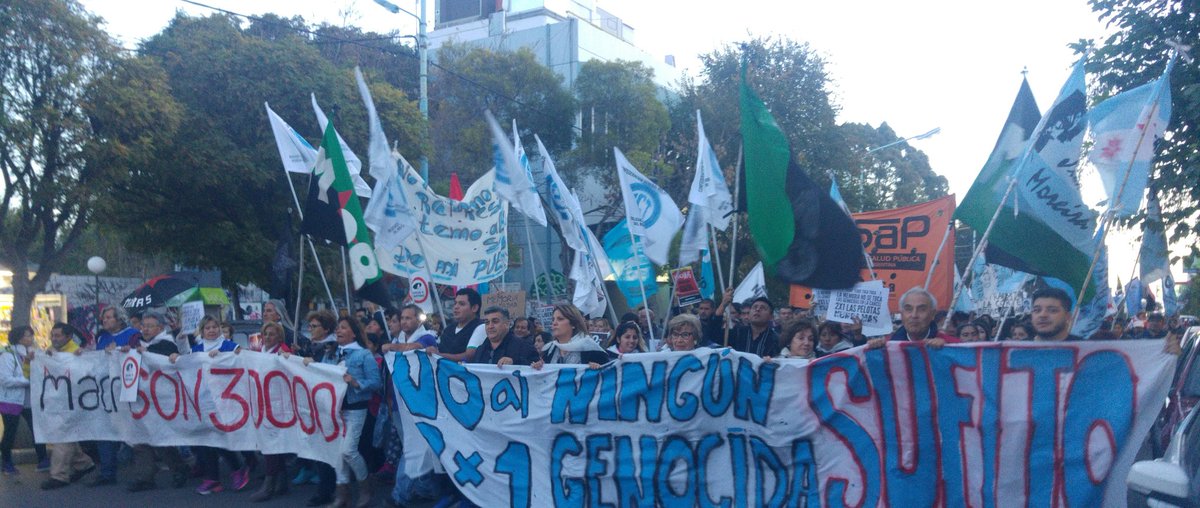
point(466, 241)
point(902, 243)
point(246, 401)
point(513, 302)
point(544, 315)
point(902, 425)
point(131, 366)
point(686, 289)
point(190, 315)
point(866, 301)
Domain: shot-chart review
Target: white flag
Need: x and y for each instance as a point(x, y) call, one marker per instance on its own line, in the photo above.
point(708, 185)
point(753, 286)
point(514, 180)
point(564, 206)
point(651, 212)
point(298, 156)
point(352, 162)
point(387, 213)
point(590, 267)
point(695, 236)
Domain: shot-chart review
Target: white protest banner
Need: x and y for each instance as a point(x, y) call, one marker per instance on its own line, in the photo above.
point(902, 425)
point(131, 369)
point(867, 301)
point(466, 241)
point(820, 301)
point(190, 315)
point(246, 401)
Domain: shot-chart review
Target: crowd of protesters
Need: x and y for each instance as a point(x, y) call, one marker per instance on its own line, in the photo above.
point(372, 450)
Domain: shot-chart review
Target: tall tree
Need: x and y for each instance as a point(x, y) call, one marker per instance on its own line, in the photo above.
point(1136, 53)
point(513, 85)
point(896, 176)
point(214, 196)
point(77, 114)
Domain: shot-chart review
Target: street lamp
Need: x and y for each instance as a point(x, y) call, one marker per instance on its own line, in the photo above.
point(423, 56)
point(925, 135)
point(97, 265)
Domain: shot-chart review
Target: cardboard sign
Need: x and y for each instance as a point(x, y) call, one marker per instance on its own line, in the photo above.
point(513, 302)
point(190, 314)
point(687, 291)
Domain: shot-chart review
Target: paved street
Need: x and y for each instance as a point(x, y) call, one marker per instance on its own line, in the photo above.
point(23, 491)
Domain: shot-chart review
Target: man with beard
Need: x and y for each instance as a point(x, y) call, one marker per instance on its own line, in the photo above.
point(1051, 313)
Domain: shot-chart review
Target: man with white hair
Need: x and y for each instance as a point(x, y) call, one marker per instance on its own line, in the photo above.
point(917, 310)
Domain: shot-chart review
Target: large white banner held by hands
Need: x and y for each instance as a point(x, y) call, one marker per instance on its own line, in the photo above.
point(246, 401)
point(995, 424)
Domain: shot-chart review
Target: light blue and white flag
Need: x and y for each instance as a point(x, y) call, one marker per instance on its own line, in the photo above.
point(708, 283)
point(1153, 256)
point(588, 271)
point(709, 189)
point(387, 213)
point(633, 271)
point(352, 161)
point(695, 236)
point(1093, 311)
point(1047, 181)
point(1133, 297)
point(514, 180)
point(836, 194)
point(651, 213)
point(564, 206)
point(297, 154)
point(1125, 128)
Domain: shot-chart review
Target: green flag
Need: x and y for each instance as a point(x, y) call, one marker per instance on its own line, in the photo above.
point(802, 235)
point(332, 212)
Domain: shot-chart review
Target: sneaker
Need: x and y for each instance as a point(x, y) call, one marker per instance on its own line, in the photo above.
point(43, 465)
point(81, 473)
point(208, 487)
point(239, 479)
point(9, 469)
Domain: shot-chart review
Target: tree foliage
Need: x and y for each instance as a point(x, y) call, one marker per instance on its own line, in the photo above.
point(78, 113)
point(513, 85)
point(214, 196)
point(1136, 53)
point(896, 176)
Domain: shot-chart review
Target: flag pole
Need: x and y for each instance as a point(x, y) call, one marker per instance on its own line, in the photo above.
point(529, 244)
point(670, 303)
point(345, 277)
point(299, 287)
point(432, 286)
point(600, 274)
point(936, 257)
point(641, 283)
point(737, 190)
point(300, 212)
point(716, 258)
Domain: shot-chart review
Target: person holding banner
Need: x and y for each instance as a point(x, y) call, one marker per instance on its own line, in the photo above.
point(831, 339)
point(572, 344)
point(407, 331)
point(918, 308)
point(14, 395)
point(276, 482)
point(145, 457)
point(626, 340)
point(501, 347)
point(683, 333)
point(114, 333)
point(458, 344)
point(362, 380)
point(68, 463)
point(213, 342)
point(1051, 311)
point(800, 340)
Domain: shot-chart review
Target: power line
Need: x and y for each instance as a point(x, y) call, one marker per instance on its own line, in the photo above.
point(359, 42)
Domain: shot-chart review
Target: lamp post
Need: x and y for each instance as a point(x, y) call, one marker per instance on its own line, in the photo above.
point(97, 265)
point(423, 56)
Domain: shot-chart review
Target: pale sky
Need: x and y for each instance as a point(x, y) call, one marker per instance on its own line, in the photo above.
point(916, 65)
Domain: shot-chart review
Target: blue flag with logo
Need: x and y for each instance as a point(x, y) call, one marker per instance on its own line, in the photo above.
point(1170, 301)
point(708, 283)
point(1133, 296)
point(631, 267)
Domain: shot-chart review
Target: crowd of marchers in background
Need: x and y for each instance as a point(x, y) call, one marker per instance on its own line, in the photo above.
point(372, 450)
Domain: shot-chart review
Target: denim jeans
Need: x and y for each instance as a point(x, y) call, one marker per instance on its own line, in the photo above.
point(352, 461)
point(107, 450)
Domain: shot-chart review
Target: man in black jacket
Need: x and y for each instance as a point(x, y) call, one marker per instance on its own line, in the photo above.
point(501, 347)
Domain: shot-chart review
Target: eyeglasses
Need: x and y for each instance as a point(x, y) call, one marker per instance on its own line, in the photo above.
point(683, 335)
